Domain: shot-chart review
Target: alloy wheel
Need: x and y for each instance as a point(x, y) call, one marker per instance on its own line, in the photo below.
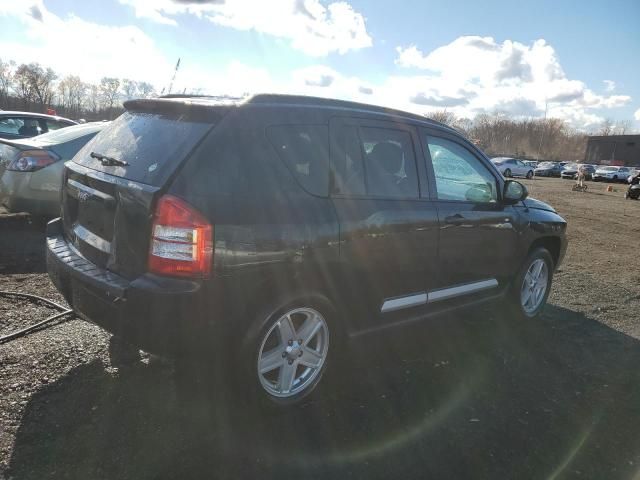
point(293, 352)
point(534, 286)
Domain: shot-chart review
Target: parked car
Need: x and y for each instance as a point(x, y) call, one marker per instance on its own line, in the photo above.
point(611, 174)
point(510, 167)
point(257, 238)
point(548, 169)
point(570, 172)
point(31, 169)
point(16, 125)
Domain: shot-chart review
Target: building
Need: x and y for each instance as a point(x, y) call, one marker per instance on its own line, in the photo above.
point(613, 150)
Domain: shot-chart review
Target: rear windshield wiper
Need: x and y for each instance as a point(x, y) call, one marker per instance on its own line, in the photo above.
point(108, 161)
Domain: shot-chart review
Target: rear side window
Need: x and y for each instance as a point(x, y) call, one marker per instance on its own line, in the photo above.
point(305, 151)
point(153, 145)
point(389, 163)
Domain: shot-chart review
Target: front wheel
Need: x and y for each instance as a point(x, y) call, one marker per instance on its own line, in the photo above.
point(530, 174)
point(507, 173)
point(532, 284)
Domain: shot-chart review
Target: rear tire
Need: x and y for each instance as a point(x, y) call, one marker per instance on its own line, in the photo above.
point(532, 284)
point(507, 173)
point(530, 174)
point(289, 352)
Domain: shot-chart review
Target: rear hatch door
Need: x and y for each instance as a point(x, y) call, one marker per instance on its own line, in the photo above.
point(108, 204)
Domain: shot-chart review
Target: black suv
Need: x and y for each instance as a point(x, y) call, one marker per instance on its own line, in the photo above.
point(262, 233)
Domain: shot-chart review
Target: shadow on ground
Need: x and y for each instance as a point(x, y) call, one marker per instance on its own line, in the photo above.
point(22, 244)
point(467, 397)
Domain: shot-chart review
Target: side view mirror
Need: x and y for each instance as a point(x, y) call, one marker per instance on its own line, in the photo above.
point(514, 192)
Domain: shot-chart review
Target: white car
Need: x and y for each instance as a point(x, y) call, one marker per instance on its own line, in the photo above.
point(510, 167)
point(611, 174)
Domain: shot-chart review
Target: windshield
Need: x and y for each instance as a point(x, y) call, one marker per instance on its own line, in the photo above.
point(609, 169)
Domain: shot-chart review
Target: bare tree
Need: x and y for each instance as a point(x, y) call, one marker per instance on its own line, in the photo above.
point(146, 90)
point(130, 88)
point(23, 85)
point(110, 91)
point(622, 126)
point(6, 77)
point(606, 127)
point(93, 98)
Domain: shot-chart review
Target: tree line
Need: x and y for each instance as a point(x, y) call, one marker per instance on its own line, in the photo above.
point(529, 138)
point(33, 87)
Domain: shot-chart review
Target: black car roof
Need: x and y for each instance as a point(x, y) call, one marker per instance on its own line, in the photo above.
point(280, 100)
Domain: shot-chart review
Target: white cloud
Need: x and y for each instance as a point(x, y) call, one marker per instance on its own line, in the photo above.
point(72, 45)
point(477, 74)
point(311, 27)
point(637, 115)
point(609, 85)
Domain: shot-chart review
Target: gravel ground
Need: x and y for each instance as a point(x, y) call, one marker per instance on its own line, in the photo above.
point(468, 396)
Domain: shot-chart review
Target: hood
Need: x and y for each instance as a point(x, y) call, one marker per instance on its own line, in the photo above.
point(533, 203)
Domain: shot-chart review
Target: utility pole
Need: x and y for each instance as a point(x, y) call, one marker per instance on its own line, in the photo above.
point(175, 72)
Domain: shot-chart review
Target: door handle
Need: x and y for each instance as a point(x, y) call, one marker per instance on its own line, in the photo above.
point(456, 219)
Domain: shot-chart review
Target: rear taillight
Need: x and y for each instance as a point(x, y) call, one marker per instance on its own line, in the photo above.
point(181, 240)
point(32, 160)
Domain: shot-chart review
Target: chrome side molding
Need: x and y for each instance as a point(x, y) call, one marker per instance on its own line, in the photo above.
point(465, 289)
point(423, 298)
point(404, 302)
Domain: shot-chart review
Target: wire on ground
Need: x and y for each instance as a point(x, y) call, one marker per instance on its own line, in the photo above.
point(37, 326)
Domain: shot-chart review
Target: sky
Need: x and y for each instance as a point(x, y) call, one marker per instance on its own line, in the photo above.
point(578, 61)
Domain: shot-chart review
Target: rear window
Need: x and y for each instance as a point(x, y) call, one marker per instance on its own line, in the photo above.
point(305, 150)
point(152, 144)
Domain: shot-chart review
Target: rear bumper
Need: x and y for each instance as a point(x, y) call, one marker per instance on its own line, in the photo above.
point(158, 314)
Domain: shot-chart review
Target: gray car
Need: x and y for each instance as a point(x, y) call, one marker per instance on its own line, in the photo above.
point(17, 125)
point(31, 169)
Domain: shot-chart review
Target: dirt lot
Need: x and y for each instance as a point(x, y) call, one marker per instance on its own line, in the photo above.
point(472, 396)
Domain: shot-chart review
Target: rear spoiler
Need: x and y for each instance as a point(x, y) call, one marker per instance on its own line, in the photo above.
point(196, 108)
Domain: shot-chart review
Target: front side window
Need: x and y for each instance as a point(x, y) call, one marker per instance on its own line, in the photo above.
point(459, 174)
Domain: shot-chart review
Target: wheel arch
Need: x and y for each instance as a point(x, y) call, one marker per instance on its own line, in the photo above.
point(551, 244)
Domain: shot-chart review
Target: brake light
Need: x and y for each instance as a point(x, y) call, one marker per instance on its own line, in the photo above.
point(181, 240)
point(32, 160)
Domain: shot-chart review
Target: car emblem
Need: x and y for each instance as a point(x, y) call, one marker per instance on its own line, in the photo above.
point(83, 196)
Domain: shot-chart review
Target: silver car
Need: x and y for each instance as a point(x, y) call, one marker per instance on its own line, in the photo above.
point(511, 167)
point(31, 169)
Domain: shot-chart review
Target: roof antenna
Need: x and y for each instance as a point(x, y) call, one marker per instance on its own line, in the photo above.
point(175, 72)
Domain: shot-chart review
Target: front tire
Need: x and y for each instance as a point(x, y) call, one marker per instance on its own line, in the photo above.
point(507, 173)
point(530, 174)
point(532, 284)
